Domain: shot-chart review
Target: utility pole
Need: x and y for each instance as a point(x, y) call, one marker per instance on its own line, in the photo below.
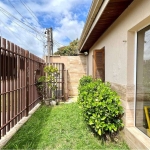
point(49, 43)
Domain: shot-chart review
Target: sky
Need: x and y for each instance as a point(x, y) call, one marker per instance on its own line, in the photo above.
point(24, 22)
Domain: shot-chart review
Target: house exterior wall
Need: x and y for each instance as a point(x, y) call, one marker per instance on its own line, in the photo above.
point(120, 58)
point(75, 68)
point(115, 41)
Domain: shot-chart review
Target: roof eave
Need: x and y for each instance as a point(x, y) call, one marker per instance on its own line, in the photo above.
point(95, 7)
point(108, 12)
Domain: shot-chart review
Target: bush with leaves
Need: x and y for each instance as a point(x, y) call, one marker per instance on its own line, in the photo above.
point(48, 82)
point(101, 106)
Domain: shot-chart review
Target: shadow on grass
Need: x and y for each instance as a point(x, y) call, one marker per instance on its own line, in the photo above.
point(31, 132)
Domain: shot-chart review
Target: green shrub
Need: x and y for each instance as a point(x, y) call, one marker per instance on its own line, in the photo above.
point(48, 82)
point(101, 106)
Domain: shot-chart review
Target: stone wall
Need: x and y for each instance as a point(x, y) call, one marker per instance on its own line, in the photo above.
point(75, 68)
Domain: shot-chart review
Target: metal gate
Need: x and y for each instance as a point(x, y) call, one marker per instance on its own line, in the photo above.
point(59, 92)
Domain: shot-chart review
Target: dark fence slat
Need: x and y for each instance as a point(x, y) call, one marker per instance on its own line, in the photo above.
point(17, 75)
point(4, 87)
point(19, 78)
point(0, 86)
point(27, 82)
point(15, 81)
point(8, 86)
point(12, 85)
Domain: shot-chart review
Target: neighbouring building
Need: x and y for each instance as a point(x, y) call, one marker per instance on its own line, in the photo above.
point(116, 37)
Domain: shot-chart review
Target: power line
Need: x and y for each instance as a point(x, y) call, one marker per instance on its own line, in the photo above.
point(0, 32)
point(6, 12)
point(18, 20)
point(23, 27)
point(14, 21)
point(44, 49)
point(65, 35)
point(10, 30)
point(3, 10)
point(56, 44)
point(29, 10)
point(18, 11)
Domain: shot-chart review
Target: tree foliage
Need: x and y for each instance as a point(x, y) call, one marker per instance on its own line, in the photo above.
point(70, 50)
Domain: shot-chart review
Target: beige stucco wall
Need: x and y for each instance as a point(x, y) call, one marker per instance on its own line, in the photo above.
point(75, 68)
point(120, 49)
point(120, 59)
point(115, 40)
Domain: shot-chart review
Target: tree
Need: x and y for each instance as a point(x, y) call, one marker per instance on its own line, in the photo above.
point(70, 50)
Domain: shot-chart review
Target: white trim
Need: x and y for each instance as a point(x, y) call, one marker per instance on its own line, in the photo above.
point(135, 70)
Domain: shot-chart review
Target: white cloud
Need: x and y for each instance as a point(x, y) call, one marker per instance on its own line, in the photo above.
point(64, 16)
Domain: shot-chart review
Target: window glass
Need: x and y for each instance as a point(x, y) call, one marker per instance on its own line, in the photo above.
point(143, 81)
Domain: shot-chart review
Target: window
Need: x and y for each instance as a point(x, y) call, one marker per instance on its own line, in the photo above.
point(99, 64)
point(143, 81)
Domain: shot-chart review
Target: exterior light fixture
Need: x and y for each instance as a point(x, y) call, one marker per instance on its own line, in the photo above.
point(86, 53)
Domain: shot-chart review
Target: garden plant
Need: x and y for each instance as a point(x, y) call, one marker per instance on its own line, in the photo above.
point(47, 84)
point(101, 107)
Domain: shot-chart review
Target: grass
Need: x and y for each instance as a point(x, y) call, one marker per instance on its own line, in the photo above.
point(61, 127)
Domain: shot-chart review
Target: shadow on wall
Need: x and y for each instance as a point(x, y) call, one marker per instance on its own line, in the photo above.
point(75, 67)
point(83, 59)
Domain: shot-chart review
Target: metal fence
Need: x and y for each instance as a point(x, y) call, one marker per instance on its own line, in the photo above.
point(59, 92)
point(19, 70)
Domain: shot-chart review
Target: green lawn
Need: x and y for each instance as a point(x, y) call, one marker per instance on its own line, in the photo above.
point(61, 127)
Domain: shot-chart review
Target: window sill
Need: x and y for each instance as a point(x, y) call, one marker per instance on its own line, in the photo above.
point(136, 139)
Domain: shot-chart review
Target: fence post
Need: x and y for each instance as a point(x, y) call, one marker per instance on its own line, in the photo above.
point(65, 85)
point(0, 88)
point(27, 82)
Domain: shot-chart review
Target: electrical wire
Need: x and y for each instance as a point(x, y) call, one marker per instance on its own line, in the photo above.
point(0, 32)
point(18, 20)
point(24, 28)
point(18, 12)
point(6, 12)
point(14, 34)
point(56, 44)
point(65, 35)
point(10, 31)
point(30, 11)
